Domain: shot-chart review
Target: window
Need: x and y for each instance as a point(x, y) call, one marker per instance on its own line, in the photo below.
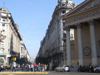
point(63, 12)
point(3, 25)
point(64, 35)
point(2, 45)
point(64, 40)
point(4, 10)
point(21, 49)
point(4, 20)
point(63, 24)
point(2, 41)
point(63, 4)
point(1, 51)
point(71, 36)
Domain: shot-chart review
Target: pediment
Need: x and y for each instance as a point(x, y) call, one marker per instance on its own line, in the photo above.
point(87, 4)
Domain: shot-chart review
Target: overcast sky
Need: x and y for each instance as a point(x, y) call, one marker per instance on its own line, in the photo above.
point(33, 18)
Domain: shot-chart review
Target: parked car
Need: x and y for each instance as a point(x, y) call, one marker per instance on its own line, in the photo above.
point(97, 69)
point(62, 69)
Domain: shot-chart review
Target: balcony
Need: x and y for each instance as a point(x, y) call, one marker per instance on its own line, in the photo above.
point(3, 14)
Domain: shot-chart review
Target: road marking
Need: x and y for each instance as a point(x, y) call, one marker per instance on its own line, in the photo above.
point(25, 73)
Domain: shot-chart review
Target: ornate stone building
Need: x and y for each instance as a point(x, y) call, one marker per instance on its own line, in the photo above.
point(85, 20)
point(52, 44)
point(10, 46)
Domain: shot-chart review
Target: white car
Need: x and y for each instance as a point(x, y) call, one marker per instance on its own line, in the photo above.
point(62, 69)
point(97, 69)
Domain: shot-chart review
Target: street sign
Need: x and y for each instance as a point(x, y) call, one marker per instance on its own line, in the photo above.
point(13, 59)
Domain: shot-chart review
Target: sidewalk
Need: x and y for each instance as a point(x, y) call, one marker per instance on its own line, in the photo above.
point(21, 72)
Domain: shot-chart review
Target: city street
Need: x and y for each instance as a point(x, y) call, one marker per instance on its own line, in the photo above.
point(54, 37)
point(59, 73)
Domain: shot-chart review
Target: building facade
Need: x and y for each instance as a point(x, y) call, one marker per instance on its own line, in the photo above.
point(10, 46)
point(85, 20)
point(52, 44)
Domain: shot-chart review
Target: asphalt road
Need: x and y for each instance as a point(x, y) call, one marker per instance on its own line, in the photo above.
point(61, 73)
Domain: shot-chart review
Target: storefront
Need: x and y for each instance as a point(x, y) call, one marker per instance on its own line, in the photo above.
point(4, 59)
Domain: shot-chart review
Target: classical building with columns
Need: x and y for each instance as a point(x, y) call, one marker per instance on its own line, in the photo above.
point(85, 20)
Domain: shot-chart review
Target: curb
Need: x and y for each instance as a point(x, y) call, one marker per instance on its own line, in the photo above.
point(25, 73)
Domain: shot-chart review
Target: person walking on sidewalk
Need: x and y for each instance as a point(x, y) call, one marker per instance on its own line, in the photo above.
point(31, 67)
point(28, 67)
point(14, 66)
point(39, 67)
point(35, 67)
point(2, 67)
point(22, 67)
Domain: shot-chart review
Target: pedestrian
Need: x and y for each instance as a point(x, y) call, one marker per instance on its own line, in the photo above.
point(31, 67)
point(2, 67)
point(35, 67)
point(22, 67)
point(39, 67)
point(18, 65)
point(14, 66)
point(45, 67)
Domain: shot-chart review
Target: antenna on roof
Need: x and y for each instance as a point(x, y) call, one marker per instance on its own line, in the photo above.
point(4, 3)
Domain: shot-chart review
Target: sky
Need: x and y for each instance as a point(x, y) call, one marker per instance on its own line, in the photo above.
point(33, 18)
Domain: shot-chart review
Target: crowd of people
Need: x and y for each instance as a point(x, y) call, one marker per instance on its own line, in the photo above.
point(26, 67)
point(34, 67)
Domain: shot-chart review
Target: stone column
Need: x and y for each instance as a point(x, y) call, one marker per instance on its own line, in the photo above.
point(93, 43)
point(61, 34)
point(80, 49)
point(69, 63)
point(64, 56)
